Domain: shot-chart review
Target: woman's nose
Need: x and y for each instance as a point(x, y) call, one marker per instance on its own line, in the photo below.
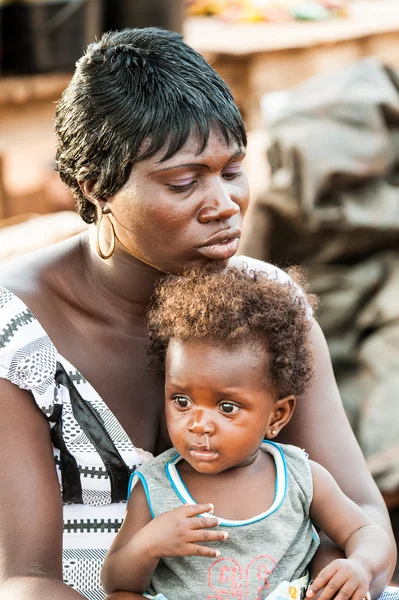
point(219, 205)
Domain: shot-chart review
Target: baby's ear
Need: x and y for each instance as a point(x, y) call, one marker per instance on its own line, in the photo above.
point(280, 416)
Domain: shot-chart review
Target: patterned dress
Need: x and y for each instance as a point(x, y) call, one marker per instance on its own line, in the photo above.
point(93, 455)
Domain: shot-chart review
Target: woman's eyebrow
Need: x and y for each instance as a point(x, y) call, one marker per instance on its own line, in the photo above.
point(182, 165)
point(238, 154)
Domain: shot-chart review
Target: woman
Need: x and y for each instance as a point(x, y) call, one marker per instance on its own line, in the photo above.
point(151, 143)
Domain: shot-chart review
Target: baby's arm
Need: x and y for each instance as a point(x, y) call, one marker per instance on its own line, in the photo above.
point(367, 547)
point(142, 541)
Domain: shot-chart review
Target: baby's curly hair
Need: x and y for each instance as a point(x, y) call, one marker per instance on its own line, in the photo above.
point(234, 306)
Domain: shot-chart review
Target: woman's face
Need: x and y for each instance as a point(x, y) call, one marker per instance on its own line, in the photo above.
point(187, 210)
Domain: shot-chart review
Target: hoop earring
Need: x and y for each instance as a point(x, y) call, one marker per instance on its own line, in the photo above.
point(110, 252)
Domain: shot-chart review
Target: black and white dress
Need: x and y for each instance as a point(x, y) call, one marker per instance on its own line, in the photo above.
point(94, 456)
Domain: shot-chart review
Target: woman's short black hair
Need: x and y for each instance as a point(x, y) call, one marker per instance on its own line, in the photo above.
point(130, 87)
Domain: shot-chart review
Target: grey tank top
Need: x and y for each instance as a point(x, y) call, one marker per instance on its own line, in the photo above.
point(260, 552)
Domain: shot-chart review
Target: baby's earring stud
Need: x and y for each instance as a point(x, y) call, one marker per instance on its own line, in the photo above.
point(273, 431)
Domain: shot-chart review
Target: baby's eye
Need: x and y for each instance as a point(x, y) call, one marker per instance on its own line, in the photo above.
point(228, 408)
point(182, 402)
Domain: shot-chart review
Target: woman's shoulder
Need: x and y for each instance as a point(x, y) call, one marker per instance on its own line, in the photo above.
point(156, 465)
point(272, 271)
point(153, 472)
point(297, 470)
point(254, 264)
point(28, 303)
point(28, 358)
point(32, 277)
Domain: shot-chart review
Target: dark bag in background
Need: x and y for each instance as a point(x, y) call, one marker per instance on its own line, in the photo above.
point(119, 14)
point(47, 35)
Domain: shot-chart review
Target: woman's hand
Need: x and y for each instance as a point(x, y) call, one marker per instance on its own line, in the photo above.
point(319, 425)
point(180, 532)
point(342, 579)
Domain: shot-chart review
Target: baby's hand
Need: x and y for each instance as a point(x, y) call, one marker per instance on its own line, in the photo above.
point(343, 579)
point(180, 531)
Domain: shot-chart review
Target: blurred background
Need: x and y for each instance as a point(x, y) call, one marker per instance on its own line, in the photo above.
point(317, 83)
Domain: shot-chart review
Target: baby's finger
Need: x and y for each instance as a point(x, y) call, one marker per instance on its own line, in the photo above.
point(321, 580)
point(347, 590)
point(192, 510)
point(197, 550)
point(334, 588)
point(207, 535)
point(361, 593)
point(204, 522)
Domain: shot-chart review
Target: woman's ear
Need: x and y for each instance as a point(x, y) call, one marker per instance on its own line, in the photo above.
point(86, 186)
point(280, 416)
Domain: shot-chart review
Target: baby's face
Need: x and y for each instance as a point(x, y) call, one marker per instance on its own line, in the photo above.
point(218, 405)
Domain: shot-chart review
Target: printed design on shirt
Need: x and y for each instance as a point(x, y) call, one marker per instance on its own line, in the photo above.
point(76, 377)
point(29, 360)
point(10, 329)
point(229, 580)
point(89, 472)
point(5, 296)
point(33, 366)
point(82, 571)
point(92, 525)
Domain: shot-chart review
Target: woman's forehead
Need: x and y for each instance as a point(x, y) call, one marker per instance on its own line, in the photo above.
point(194, 148)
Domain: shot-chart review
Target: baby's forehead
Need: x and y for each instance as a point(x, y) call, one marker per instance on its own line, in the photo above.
point(215, 353)
point(192, 365)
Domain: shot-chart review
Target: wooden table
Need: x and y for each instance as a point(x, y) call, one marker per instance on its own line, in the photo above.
point(254, 59)
point(257, 58)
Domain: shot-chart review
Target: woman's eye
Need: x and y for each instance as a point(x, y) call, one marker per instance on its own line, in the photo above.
point(182, 402)
point(228, 408)
point(184, 186)
point(232, 173)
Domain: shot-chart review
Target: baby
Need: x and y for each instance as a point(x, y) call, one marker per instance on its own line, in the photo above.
point(236, 353)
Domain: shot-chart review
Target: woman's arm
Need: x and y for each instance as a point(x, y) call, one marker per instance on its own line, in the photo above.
point(128, 565)
point(319, 425)
point(30, 503)
point(366, 544)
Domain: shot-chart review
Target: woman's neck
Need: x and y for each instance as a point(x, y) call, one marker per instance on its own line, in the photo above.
point(122, 282)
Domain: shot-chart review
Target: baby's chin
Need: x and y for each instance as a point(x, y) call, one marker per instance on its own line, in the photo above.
point(209, 465)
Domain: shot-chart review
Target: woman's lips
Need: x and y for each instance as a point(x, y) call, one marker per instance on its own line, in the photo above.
point(222, 250)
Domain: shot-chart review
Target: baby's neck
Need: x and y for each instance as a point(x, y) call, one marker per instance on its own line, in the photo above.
point(238, 493)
